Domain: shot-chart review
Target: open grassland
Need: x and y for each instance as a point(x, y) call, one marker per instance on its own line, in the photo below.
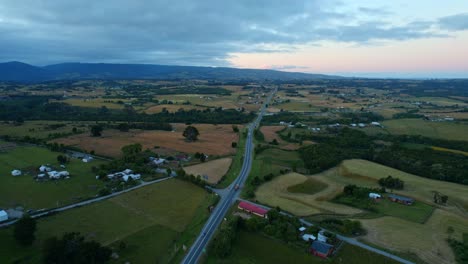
point(297, 106)
point(214, 170)
point(25, 191)
point(310, 186)
point(171, 108)
point(39, 129)
point(152, 221)
point(97, 102)
point(276, 193)
point(444, 130)
point(213, 140)
point(366, 173)
point(255, 248)
point(270, 133)
point(426, 240)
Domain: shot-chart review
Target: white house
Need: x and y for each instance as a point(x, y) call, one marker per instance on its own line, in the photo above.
point(308, 237)
point(302, 229)
point(3, 215)
point(362, 125)
point(353, 125)
point(375, 123)
point(321, 237)
point(159, 161)
point(87, 159)
point(127, 171)
point(375, 196)
point(43, 168)
point(15, 172)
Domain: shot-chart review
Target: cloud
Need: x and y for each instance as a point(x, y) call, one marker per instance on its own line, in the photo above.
point(183, 31)
point(455, 22)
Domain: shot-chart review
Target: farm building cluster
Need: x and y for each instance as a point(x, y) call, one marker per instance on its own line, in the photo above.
point(46, 172)
point(317, 129)
point(394, 198)
point(124, 175)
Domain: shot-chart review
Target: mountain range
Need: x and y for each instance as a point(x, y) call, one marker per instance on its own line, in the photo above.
point(22, 72)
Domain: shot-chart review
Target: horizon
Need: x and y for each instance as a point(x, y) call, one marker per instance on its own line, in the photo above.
point(371, 38)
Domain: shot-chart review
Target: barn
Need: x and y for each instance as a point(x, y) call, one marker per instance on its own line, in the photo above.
point(251, 208)
point(321, 249)
point(400, 199)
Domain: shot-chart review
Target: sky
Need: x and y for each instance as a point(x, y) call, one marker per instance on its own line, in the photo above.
point(398, 38)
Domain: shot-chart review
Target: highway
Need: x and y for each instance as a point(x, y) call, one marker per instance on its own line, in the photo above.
point(227, 200)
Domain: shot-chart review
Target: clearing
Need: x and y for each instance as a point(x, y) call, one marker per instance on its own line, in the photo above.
point(213, 140)
point(444, 130)
point(213, 170)
point(25, 191)
point(154, 222)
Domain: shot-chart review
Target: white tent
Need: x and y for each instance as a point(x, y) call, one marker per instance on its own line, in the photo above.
point(3, 215)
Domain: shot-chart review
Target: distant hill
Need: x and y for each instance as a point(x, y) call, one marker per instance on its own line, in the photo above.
point(21, 72)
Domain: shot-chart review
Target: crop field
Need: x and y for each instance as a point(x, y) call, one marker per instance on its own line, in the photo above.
point(426, 240)
point(270, 133)
point(297, 106)
point(214, 169)
point(152, 221)
point(255, 248)
point(276, 193)
point(39, 129)
point(25, 191)
point(213, 140)
point(171, 108)
point(444, 130)
point(366, 173)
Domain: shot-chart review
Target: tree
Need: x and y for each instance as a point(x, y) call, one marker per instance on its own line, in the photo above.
point(450, 231)
point(96, 130)
point(235, 129)
point(191, 133)
point(234, 144)
point(72, 248)
point(24, 230)
point(62, 159)
point(123, 127)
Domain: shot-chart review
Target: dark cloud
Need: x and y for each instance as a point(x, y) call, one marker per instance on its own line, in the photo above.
point(455, 22)
point(179, 32)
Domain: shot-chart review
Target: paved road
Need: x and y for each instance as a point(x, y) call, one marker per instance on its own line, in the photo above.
point(90, 201)
point(349, 240)
point(228, 198)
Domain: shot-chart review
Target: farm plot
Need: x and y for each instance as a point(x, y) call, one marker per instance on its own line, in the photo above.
point(256, 248)
point(276, 193)
point(213, 140)
point(444, 130)
point(40, 129)
point(25, 191)
point(151, 221)
point(213, 170)
point(271, 133)
point(171, 108)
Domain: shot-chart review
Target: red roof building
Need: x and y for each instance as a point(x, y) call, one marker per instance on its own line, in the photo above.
point(251, 208)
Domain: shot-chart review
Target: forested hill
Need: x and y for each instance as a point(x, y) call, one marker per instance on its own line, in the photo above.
point(21, 72)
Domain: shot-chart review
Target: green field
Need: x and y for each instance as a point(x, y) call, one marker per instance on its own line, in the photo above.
point(255, 248)
point(273, 160)
point(25, 191)
point(154, 222)
point(39, 129)
point(310, 186)
point(418, 212)
point(444, 130)
point(296, 106)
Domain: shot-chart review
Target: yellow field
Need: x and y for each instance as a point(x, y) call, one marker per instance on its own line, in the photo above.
point(275, 193)
point(426, 240)
point(450, 150)
point(214, 169)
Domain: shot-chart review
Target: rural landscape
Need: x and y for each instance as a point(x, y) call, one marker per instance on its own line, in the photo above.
point(234, 132)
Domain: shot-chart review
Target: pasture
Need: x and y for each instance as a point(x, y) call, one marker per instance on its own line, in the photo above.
point(444, 130)
point(271, 133)
point(214, 169)
point(171, 108)
point(152, 221)
point(31, 194)
point(39, 129)
point(256, 248)
point(213, 140)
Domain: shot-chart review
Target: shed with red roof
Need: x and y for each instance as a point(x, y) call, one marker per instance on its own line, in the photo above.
point(251, 208)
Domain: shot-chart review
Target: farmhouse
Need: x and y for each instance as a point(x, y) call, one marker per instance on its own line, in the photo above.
point(124, 175)
point(321, 249)
point(87, 159)
point(159, 161)
point(15, 172)
point(58, 174)
point(251, 208)
point(375, 196)
point(302, 229)
point(3, 215)
point(44, 168)
point(375, 124)
point(400, 199)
